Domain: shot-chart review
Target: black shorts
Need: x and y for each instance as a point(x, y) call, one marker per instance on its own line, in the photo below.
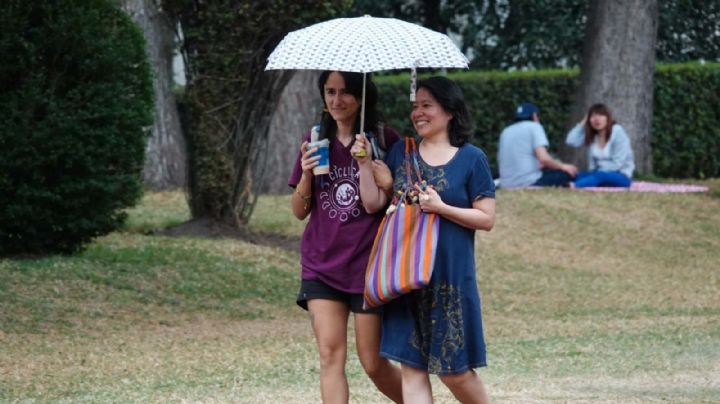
point(320, 290)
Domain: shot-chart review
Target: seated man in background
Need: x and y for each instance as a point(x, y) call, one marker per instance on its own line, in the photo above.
point(523, 158)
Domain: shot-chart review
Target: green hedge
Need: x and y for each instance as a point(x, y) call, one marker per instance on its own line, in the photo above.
point(76, 107)
point(686, 121)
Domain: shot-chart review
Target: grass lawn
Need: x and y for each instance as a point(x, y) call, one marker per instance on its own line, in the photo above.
point(586, 297)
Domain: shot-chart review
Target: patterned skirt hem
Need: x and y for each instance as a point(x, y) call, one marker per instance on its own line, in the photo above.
point(424, 367)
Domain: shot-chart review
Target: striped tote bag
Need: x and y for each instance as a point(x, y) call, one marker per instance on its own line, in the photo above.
point(403, 253)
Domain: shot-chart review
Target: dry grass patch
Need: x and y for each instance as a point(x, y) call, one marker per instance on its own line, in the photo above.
point(147, 351)
point(158, 210)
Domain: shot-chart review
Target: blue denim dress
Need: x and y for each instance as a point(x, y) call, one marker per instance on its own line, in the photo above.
point(439, 328)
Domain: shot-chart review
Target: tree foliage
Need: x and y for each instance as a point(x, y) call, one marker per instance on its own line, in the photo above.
point(229, 98)
point(519, 34)
point(524, 34)
point(76, 102)
point(689, 30)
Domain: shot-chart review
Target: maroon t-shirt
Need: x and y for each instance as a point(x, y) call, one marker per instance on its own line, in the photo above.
point(339, 234)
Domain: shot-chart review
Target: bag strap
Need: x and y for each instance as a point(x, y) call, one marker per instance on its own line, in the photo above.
point(409, 150)
point(381, 135)
point(411, 162)
point(410, 154)
point(414, 156)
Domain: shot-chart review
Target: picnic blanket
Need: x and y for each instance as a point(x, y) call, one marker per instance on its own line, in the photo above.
point(646, 186)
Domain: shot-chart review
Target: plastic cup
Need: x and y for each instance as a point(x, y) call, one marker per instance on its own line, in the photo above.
point(323, 150)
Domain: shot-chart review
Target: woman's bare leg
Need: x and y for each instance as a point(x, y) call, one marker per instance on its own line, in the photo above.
point(381, 371)
point(329, 322)
point(466, 387)
point(416, 387)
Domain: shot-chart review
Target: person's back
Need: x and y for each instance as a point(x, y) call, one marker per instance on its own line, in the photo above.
point(517, 161)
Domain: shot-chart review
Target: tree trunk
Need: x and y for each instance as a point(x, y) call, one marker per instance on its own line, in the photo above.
point(165, 155)
point(617, 70)
point(298, 109)
point(229, 99)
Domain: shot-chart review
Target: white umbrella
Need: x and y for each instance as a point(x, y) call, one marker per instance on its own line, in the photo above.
point(365, 44)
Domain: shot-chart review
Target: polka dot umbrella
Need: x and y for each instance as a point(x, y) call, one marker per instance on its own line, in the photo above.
point(363, 45)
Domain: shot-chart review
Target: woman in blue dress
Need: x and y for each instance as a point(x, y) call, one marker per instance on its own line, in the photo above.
point(438, 329)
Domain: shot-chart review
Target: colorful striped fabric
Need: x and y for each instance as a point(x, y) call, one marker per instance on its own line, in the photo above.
point(403, 253)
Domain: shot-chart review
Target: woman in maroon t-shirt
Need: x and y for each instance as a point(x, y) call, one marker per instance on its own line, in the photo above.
point(338, 237)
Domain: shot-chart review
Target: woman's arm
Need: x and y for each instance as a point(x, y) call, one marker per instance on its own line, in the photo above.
point(383, 176)
point(480, 217)
point(372, 196)
point(576, 136)
point(547, 161)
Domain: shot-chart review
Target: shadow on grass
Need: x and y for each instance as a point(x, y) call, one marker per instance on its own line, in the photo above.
point(207, 228)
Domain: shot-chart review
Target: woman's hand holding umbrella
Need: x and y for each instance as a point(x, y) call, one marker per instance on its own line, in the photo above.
point(361, 149)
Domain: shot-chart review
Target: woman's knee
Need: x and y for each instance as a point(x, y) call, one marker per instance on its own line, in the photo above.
point(329, 322)
point(332, 352)
point(373, 363)
point(332, 355)
point(367, 336)
point(414, 379)
point(457, 381)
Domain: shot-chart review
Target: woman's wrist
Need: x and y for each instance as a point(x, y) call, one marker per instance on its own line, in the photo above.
point(305, 181)
point(300, 188)
point(302, 195)
point(305, 198)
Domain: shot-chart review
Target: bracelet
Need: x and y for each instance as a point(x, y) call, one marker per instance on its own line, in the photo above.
point(306, 199)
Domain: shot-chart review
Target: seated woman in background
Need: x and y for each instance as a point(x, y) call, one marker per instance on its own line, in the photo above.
point(610, 155)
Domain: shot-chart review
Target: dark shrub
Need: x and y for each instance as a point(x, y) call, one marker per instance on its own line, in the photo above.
point(75, 102)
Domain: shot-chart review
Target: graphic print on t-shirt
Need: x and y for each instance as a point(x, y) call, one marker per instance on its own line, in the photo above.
point(340, 196)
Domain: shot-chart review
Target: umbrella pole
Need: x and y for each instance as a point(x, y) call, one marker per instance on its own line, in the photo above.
point(362, 153)
point(362, 107)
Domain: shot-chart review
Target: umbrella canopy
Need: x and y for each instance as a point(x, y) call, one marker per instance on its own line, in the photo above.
point(365, 44)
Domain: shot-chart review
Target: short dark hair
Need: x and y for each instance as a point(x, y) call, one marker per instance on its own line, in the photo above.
point(451, 98)
point(354, 86)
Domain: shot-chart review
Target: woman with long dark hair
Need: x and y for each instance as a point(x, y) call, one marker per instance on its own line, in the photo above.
point(438, 329)
point(337, 239)
point(610, 155)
